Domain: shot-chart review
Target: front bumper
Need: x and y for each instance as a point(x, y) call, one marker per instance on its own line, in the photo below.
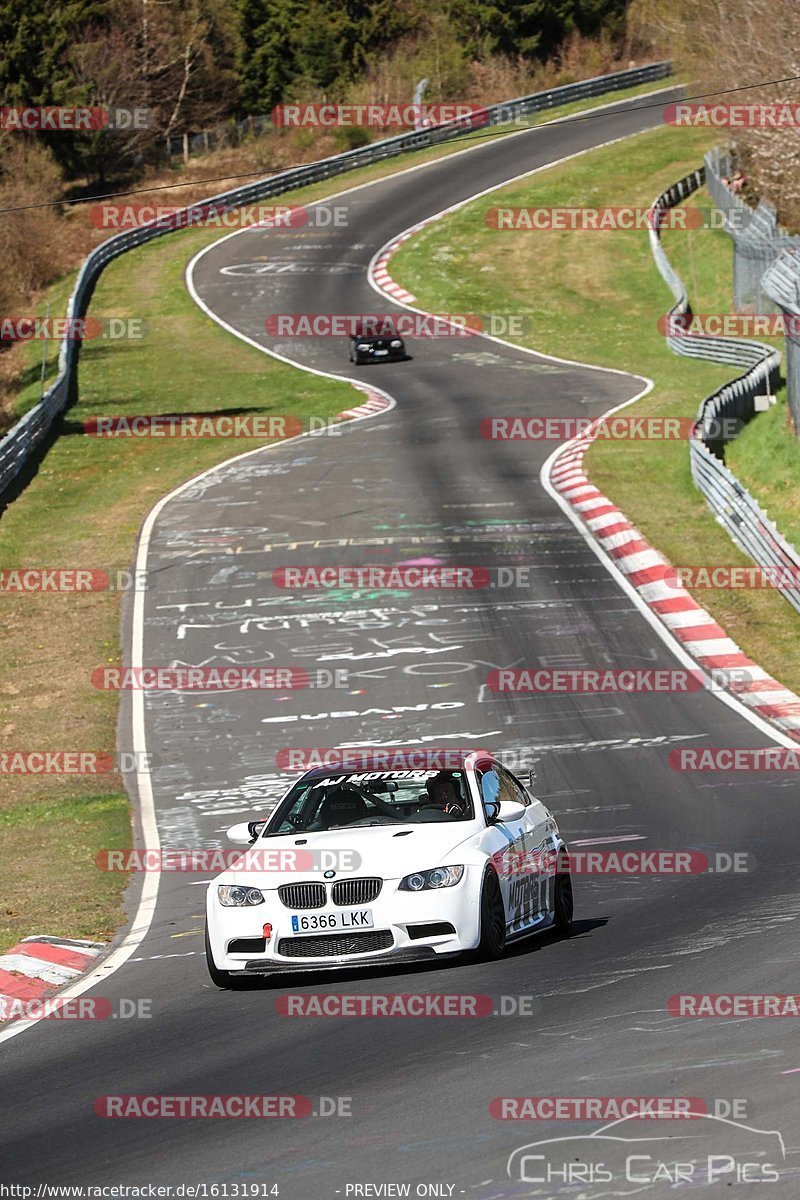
point(405, 925)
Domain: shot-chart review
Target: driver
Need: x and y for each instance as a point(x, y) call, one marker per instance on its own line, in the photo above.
point(444, 793)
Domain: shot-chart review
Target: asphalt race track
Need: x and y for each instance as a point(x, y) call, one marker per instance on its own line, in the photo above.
point(419, 482)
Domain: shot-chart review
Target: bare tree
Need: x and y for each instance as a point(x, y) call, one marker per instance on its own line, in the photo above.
point(165, 58)
point(728, 46)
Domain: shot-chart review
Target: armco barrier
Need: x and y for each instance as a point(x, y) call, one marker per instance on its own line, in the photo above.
point(781, 282)
point(734, 507)
point(30, 431)
point(766, 264)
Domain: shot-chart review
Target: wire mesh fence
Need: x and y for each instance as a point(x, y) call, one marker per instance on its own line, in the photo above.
point(758, 240)
point(723, 412)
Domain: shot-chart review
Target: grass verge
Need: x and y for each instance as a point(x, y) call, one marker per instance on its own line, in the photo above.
point(766, 458)
point(598, 297)
point(83, 508)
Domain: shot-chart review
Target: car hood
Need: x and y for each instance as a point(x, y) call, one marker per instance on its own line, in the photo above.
point(388, 851)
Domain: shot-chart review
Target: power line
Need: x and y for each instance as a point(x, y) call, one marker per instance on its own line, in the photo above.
point(466, 137)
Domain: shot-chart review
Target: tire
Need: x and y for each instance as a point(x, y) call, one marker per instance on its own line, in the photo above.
point(563, 903)
point(492, 943)
point(220, 979)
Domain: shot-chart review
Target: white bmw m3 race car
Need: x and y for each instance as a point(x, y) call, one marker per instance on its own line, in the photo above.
point(362, 865)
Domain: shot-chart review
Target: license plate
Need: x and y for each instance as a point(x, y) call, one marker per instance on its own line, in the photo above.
point(379, 352)
point(356, 918)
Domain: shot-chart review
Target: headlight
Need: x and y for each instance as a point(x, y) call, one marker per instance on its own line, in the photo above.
point(438, 877)
point(362, 346)
point(233, 896)
point(395, 344)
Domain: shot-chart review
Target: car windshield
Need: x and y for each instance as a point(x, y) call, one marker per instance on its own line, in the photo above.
point(371, 798)
point(378, 326)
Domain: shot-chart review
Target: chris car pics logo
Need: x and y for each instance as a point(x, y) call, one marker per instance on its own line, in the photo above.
point(632, 1154)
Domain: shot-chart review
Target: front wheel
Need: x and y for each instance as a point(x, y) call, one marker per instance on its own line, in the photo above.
point(221, 979)
point(563, 903)
point(493, 919)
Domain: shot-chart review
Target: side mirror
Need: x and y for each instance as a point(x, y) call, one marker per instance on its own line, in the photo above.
point(241, 835)
point(531, 777)
point(511, 810)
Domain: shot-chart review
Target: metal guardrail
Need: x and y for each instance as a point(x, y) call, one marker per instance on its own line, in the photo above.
point(781, 282)
point(735, 509)
point(766, 264)
point(29, 432)
point(233, 133)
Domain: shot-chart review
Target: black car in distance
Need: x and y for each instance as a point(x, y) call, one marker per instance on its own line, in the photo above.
point(376, 339)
